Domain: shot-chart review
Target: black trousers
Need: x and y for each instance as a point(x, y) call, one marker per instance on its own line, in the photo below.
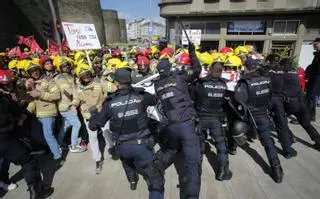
point(15, 152)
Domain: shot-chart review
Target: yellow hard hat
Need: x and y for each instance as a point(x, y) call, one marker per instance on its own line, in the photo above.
point(218, 57)
point(83, 69)
point(205, 59)
point(13, 64)
point(59, 61)
point(250, 48)
point(96, 59)
point(79, 57)
point(114, 61)
point(229, 54)
point(154, 50)
point(241, 51)
point(30, 65)
point(125, 65)
point(36, 60)
point(22, 64)
point(233, 61)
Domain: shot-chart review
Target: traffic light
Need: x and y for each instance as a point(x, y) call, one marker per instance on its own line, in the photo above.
point(47, 29)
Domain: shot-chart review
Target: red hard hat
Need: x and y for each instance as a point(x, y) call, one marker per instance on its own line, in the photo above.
point(44, 59)
point(6, 77)
point(184, 59)
point(115, 53)
point(139, 52)
point(166, 53)
point(147, 52)
point(143, 60)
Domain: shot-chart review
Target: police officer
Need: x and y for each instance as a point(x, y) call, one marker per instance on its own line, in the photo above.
point(126, 110)
point(312, 73)
point(172, 90)
point(11, 147)
point(208, 95)
point(276, 75)
point(254, 91)
point(294, 100)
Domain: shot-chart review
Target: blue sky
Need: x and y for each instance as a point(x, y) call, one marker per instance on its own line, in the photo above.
point(130, 9)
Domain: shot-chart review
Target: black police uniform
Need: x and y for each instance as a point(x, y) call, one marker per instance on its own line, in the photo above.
point(277, 77)
point(295, 104)
point(15, 151)
point(172, 90)
point(312, 73)
point(126, 110)
point(254, 90)
point(208, 95)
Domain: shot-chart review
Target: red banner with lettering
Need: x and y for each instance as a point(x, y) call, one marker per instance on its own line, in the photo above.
point(14, 52)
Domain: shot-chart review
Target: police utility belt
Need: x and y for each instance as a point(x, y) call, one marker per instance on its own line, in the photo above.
point(137, 141)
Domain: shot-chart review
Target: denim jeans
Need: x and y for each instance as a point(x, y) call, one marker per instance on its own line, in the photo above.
point(48, 127)
point(69, 119)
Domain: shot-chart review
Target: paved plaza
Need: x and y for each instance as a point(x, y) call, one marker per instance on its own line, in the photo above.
point(77, 180)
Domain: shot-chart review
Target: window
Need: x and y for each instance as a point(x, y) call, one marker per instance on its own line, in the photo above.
point(246, 28)
point(205, 27)
point(212, 28)
point(211, 1)
point(200, 26)
point(285, 27)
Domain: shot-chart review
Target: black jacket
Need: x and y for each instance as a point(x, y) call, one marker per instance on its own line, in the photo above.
point(127, 111)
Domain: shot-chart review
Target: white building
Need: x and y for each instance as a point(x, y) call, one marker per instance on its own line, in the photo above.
point(144, 28)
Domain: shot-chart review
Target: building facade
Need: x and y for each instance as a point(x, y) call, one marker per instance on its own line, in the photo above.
point(140, 29)
point(269, 25)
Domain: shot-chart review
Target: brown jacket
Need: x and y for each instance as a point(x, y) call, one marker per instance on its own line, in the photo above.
point(45, 105)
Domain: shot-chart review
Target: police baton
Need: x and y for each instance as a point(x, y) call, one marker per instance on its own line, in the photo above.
point(184, 30)
point(252, 119)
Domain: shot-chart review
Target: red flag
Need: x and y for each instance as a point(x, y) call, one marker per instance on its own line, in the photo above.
point(30, 42)
point(65, 45)
point(14, 52)
point(25, 40)
point(53, 48)
point(35, 46)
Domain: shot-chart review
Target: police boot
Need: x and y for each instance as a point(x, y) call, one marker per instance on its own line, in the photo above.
point(316, 146)
point(223, 173)
point(133, 185)
point(290, 154)
point(46, 192)
point(276, 171)
point(35, 191)
point(232, 150)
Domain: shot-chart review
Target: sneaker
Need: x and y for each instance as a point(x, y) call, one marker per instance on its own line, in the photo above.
point(84, 145)
point(8, 187)
point(77, 149)
point(98, 167)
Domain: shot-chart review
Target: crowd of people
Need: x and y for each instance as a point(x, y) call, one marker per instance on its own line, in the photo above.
point(43, 97)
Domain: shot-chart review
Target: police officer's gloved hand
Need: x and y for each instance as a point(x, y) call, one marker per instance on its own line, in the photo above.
point(93, 110)
point(191, 47)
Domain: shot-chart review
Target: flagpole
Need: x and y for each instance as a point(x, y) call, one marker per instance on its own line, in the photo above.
point(54, 19)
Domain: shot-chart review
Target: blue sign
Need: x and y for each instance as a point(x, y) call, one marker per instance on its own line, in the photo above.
point(150, 30)
point(246, 26)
